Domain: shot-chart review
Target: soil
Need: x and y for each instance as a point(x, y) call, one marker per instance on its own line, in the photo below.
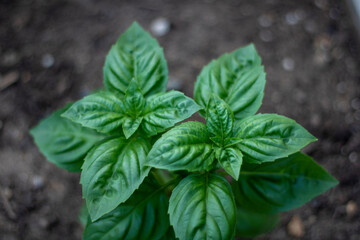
point(52, 52)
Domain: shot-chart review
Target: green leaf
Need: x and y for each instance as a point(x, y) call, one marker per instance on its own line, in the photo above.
point(134, 100)
point(231, 160)
point(281, 185)
point(136, 55)
point(203, 207)
point(103, 111)
point(185, 147)
point(238, 78)
point(64, 142)
point(219, 120)
point(266, 137)
point(130, 125)
point(111, 172)
point(163, 110)
point(143, 216)
point(250, 224)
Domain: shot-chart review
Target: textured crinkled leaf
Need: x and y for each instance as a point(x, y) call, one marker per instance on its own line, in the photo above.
point(250, 224)
point(185, 147)
point(163, 110)
point(203, 207)
point(130, 125)
point(266, 137)
point(219, 120)
point(238, 78)
point(143, 216)
point(103, 111)
point(134, 100)
point(281, 185)
point(111, 172)
point(136, 55)
point(64, 142)
point(231, 160)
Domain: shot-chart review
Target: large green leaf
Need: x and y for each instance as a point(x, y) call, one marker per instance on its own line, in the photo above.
point(238, 78)
point(163, 110)
point(64, 142)
point(203, 207)
point(219, 120)
point(250, 224)
point(143, 216)
point(266, 137)
point(136, 55)
point(231, 159)
point(111, 172)
point(281, 185)
point(103, 111)
point(185, 147)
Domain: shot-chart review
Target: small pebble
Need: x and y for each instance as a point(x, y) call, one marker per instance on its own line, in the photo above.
point(160, 27)
point(288, 64)
point(10, 59)
point(266, 35)
point(341, 87)
point(295, 227)
point(265, 21)
point(8, 80)
point(291, 18)
point(355, 103)
point(353, 157)
point(47, 61)
point(351, 208)
point(37, 182)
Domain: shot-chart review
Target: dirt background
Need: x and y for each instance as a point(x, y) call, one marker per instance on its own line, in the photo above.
point(52, 52)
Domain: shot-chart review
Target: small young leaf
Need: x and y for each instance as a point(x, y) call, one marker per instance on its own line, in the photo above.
point(231, 159)
point(103, 111)
point(219, 120)
point(134, 100)
point(111, 172)
point(249, 224)
point(130, 125)
point(163, 110)
point(266, 137)
point(64, 142)
point(143, 216)
point(203, 207)
point(185, 147)
point(281, 185)
point(136, 55)
point(238, 78)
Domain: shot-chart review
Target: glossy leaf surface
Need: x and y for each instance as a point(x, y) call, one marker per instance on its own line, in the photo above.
point(64, 142)
point(111, 172)
point(231, 159)
point(281, 185)
point(136, 55)
point(219, 120)
point(203, 207)
point(266, 137)
point(237, 77)
point(143, 216)
point(134, 100)
point(163, 110)
point(103, 111)
point(185, 147)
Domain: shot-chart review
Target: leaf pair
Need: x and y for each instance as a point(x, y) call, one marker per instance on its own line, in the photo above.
point(106, 111)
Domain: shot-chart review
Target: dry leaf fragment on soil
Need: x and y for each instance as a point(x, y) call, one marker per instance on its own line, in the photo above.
point(295, 227)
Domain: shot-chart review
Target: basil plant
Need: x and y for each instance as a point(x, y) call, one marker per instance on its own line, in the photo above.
point(146, 174)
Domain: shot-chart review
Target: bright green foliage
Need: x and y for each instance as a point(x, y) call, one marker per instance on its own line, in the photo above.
point(64, 142)
point(143, 216)
point(185, 147)
point(202, 206)
point(136, 55)
point(238, 78)
point(281, 185)
point(111, 172)
point(119, 135)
